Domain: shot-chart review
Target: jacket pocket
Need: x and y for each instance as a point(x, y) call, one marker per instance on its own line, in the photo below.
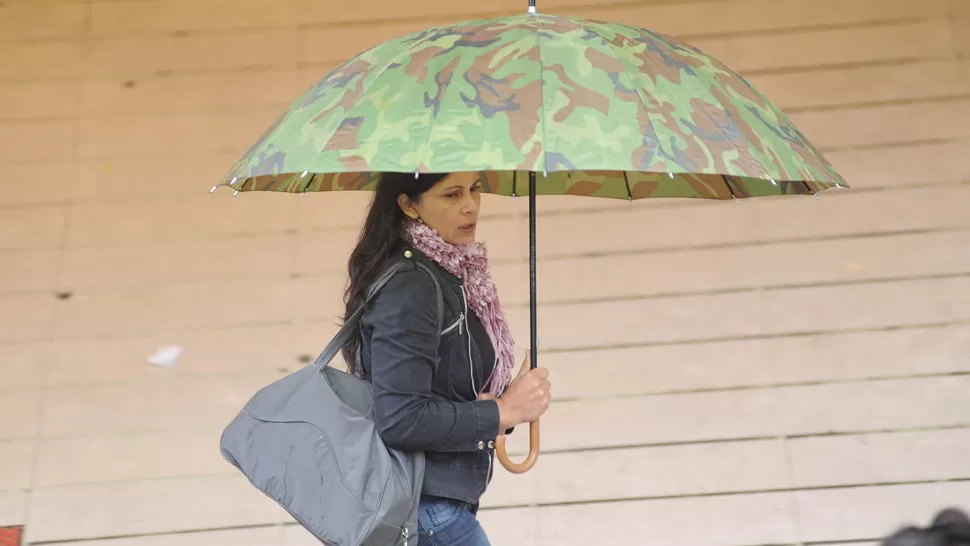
point(456, 325)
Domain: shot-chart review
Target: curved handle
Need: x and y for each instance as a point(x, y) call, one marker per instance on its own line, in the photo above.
point(530, 461)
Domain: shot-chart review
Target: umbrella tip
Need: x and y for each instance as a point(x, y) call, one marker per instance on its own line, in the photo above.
point(532, 10)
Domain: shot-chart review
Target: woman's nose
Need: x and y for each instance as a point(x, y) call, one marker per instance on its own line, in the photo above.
point(470, 205)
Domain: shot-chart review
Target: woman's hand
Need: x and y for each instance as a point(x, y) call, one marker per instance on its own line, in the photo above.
point(526, 398)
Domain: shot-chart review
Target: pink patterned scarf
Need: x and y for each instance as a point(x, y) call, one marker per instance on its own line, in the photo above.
point(470, 264)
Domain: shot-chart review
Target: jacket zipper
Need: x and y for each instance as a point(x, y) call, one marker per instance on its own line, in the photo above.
point(456, 324)
point(471, 366)
point(491, 453)
point(488, 476)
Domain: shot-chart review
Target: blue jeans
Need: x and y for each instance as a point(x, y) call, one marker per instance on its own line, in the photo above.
point(448, 522)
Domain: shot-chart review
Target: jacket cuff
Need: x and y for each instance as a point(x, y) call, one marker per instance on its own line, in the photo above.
point(486, 420)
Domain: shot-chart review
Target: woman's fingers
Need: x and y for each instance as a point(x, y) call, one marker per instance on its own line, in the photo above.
point(526, 363)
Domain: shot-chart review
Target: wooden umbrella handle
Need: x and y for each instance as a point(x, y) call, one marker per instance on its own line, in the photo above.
point(530, 461)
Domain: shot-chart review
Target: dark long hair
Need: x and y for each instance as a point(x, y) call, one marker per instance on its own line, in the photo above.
point(381, 237)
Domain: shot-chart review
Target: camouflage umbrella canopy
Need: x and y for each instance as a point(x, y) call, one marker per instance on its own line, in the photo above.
point(599, 109)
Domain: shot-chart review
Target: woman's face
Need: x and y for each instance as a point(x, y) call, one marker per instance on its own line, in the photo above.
point(450, 207)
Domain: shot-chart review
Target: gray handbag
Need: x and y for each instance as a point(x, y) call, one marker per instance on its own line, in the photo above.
point(309, 442)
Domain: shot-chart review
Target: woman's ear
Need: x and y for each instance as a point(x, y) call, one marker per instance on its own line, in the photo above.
point(407, 206)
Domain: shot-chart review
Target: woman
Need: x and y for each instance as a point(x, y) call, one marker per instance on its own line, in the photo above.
point(448, 393)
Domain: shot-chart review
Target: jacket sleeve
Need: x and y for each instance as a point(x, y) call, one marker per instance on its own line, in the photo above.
point(404, 356)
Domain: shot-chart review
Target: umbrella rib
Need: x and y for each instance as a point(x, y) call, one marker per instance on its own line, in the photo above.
point(703, 75)
point(425, 150)
point(404, 52)
point(626, 180)
point(626, 71)
point(515, 175)
point(728, 185)
point(667, 84)
point(309, 182)
point(542, 95)
point(636, 89)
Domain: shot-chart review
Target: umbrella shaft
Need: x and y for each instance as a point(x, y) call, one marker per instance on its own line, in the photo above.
point(533, 322)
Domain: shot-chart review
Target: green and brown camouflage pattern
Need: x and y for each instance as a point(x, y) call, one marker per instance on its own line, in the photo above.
point(596, 108)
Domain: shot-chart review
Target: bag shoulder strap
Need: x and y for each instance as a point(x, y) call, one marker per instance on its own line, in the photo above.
point(350, 324)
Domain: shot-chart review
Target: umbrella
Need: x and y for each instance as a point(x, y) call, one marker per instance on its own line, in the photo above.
point(539, 103)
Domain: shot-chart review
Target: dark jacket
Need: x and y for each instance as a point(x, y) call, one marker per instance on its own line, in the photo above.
point(425, 382)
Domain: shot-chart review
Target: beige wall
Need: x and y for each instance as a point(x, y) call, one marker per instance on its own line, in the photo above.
point(960, 25)
point(720, 343)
